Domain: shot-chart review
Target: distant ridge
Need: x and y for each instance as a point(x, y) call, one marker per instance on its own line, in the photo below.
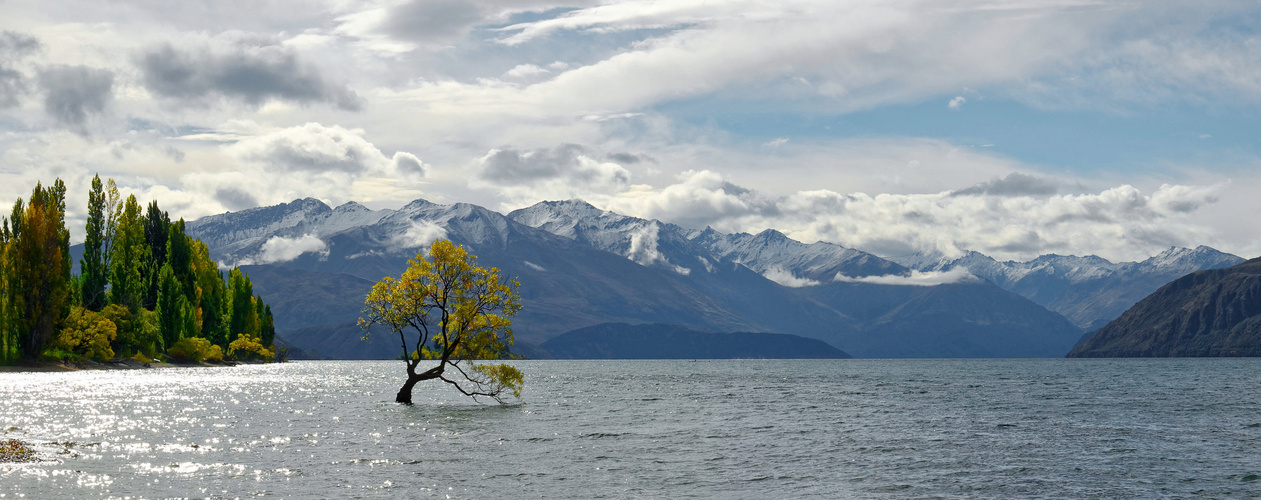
point(1090, 291)
point(581, 266)
point(1207, 313)
point(657, 341)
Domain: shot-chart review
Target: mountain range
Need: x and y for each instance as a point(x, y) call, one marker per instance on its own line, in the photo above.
point(1207, 313)
point(1090, 291)
point(580, 266)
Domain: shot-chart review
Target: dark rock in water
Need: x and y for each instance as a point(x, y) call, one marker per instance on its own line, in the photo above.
point(1207, 313)
point(656, 341)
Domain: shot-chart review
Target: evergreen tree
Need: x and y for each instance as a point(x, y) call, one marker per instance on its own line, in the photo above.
point(92, 265)
point(157, 230)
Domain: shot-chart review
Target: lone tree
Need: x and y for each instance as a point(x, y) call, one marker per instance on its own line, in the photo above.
point(462, 314)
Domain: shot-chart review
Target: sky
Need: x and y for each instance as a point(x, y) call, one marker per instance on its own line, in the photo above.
point(1013, 128)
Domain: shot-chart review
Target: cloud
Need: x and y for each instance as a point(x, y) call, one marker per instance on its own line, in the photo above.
point(314, 148)
point(407, 163)
point(643, 246)
point(235, 199)
point(73, 93)
point(775, 143)
point(786, 278)
point(1120, 223)
point(630, 158)
point(275, 165)
point(317, 149)
point(249, 70)
point(282, 249)
point(419, 233)
point(699, 198)
point(957, 102)
point(917, 278)
point(562, 172)
point(13, 48)
point(405, 26)
point(643, 249)
point(1015, 184)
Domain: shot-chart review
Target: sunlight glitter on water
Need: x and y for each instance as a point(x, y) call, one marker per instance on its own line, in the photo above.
point(870, 428)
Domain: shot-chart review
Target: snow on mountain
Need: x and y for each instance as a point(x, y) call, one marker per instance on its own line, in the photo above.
point(647, 242)
point(651, 242)
point(773, 251)
point(1087, 290)
point(581, 266)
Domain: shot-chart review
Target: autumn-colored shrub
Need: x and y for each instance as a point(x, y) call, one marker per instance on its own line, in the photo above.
point(247, 347)
point(195, 350)
point(87, 333)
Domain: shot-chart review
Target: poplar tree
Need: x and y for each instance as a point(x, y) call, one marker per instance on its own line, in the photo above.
point(8, 334)
point(92, 265)
point(244, 314)
point(39, 276)
point(171, 306)
point(130, 258)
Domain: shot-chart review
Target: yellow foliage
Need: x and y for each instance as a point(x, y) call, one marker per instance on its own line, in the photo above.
point(195, 349)
point(88, 333)
point(500, 377)
point(463, 312)
point(245, 347)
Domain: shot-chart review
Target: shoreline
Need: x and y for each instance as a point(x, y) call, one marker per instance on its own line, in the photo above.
point(124, 364)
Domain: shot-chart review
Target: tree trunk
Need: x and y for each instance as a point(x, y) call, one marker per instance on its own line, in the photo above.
point(405, 394)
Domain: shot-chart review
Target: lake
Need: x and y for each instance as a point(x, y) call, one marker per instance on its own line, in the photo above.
point(1043, 428)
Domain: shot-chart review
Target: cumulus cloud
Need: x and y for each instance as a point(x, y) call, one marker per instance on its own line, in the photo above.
point(699, 198)
point(313, 148)
point(917, 278)
point(73, 93)
point(283, 249)
point(786, 278)
point(250, 70)
point(1015, 184)
point(957, 102)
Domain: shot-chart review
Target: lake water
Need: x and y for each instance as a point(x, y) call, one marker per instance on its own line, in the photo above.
point(1049, 428)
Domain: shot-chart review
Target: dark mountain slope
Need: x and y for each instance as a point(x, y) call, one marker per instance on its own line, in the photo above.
point(943, 321)
point(1207, 313)
point(656, 341)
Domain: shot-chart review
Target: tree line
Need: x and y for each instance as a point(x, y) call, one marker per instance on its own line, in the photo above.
point(145, 289)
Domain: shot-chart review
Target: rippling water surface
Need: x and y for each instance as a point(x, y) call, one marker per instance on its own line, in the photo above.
point(600, 429)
